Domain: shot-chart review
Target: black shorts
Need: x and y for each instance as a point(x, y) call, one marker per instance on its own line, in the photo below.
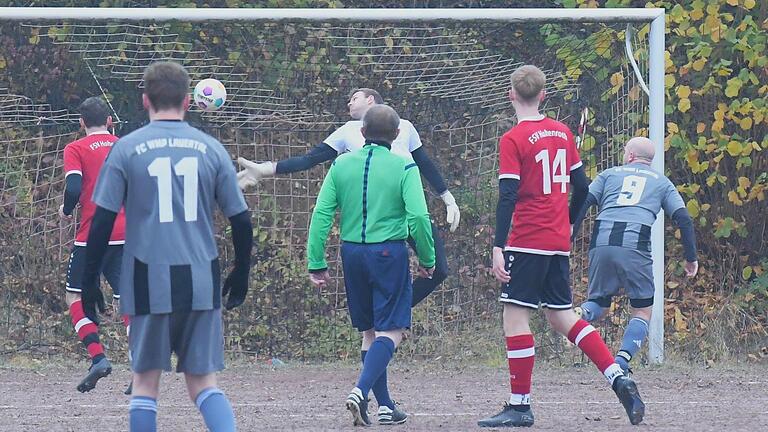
point(110, 268)
point(537, 280)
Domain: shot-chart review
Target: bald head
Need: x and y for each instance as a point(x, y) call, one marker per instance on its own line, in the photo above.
point(381, 123)
point(639, 149)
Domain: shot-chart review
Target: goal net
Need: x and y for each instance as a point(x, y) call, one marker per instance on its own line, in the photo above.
point(288, 83)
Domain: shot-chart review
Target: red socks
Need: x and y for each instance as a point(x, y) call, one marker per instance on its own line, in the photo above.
point(520, 355)
point(583, 335)
point(87, 331)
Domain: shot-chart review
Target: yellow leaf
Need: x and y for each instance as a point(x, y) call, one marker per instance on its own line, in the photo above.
point(717, 126)
point(2, 62)
point(734, 198)
point(684, 105)
point(697, 14)
point(698, 65)
point(732, 2)
point(617, 79)
point(669, 80)
point(683, 92)
point(746, 123)
point(693, 208)
point(705, 207)
point(672, 128)
point(749, 4)
point(680, 324)
point(700, 127)
point(748, 297)
point(734, 148)
point(744, 182)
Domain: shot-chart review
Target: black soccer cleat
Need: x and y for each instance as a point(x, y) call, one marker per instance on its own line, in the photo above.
point(129, 390)
point(358, 406)
point(389, 416)
point(626, 390)
point(509, 417)
point(96, 372)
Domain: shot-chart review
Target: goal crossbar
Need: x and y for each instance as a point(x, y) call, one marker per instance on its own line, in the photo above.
point(372, 14)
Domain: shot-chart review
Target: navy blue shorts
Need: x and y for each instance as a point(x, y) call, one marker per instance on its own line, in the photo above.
point(377, 279)
point(537, 279)
point(110, 268)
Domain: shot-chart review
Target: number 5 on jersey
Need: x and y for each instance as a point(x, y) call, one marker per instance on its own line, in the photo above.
point(187, 168)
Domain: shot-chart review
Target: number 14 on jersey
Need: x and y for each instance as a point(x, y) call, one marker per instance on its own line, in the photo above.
point(554, 171)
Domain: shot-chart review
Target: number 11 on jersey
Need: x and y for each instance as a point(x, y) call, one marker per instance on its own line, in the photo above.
point(187, 168)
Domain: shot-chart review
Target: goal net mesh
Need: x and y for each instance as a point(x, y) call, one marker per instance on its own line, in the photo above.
point(288, 83)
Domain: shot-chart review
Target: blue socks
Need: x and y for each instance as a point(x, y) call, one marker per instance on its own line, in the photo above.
point(376, 361)
point(216, 410)
point(213, 405)
point(143, 414)
point(379, 388)
point(591, 311)
point(634, 335)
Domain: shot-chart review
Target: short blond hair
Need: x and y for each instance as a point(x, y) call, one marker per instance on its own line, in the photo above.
point(528, 81)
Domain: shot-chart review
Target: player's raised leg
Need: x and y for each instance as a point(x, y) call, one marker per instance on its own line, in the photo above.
point(87, 330)
point(587, 338)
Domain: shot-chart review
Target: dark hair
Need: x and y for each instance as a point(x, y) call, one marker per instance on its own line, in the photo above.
point(381, 123)
point(166, 84)
point(94, 111)
point(377, 99)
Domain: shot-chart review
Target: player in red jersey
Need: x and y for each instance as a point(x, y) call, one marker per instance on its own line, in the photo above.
point(83, 159)
point(538, 162)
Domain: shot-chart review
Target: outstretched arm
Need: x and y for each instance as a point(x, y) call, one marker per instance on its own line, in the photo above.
point(317, 155)
point(253, 172)
point(430, 172)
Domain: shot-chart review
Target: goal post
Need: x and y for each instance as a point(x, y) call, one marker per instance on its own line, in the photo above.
point(654, 17)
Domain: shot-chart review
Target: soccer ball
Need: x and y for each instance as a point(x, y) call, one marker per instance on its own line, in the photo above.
point(209, 94)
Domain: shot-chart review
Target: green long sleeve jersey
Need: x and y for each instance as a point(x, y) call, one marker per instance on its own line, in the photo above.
point(380, 197)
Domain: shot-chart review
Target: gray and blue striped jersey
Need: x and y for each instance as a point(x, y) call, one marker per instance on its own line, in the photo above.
point(169, 176)
point(629, 197)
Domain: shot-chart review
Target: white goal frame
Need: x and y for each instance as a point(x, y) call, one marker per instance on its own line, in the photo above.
point(654, 16)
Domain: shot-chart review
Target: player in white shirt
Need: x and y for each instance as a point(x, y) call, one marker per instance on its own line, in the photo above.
point(349, 138)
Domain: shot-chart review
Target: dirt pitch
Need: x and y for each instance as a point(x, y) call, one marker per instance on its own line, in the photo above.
point(310, 397)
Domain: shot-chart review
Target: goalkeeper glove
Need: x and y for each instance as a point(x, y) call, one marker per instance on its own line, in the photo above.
point(236, 285)
point(92, 298)
point(253, 172)
point(452, 214)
